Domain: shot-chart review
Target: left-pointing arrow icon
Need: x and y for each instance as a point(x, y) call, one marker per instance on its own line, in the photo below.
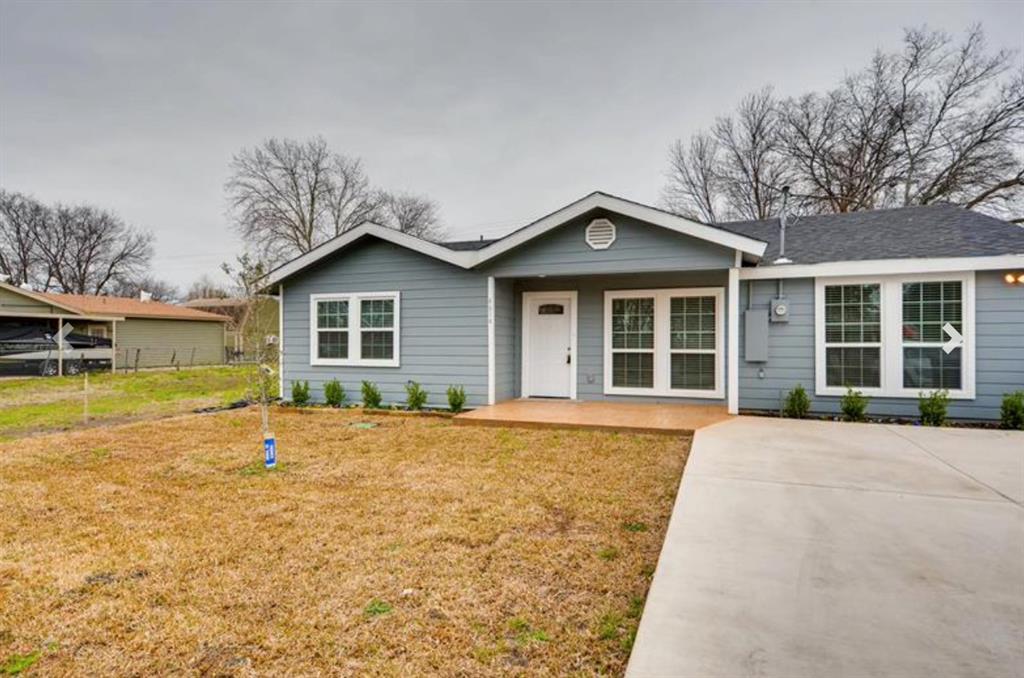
point(956, 340)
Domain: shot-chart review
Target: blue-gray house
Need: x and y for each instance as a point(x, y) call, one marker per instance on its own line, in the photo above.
point(611, 299)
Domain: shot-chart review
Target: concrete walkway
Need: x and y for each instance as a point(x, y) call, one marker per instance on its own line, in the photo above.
point(807, 548)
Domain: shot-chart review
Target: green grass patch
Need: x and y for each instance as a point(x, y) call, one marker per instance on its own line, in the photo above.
point(524, 634)
point(17, 663)
point(608, 553)
point(56, 403)
point(634, 527)
point(377, 607)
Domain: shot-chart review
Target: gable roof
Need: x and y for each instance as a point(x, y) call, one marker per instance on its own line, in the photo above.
point(652, 215)
point(927, 231)
point(471, 253)
point(88, 304)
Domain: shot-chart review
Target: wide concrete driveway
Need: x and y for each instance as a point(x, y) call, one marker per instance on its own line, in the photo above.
point(807, 548)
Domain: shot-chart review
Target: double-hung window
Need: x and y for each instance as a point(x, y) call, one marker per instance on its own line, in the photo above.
point(895, 336)
point(666, 342)
point(354, 329)
point(853, 335)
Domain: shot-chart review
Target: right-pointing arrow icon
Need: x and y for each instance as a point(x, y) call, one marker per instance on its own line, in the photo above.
point(956, 340)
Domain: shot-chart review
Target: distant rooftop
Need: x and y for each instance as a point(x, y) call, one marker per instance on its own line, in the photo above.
point(90, 304)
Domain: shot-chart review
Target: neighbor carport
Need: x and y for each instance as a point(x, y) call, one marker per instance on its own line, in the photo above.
point(809, 548)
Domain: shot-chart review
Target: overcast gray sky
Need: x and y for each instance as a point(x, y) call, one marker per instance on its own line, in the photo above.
point(500, 112)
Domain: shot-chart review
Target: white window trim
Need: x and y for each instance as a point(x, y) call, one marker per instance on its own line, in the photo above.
point(892, 334)
point(524, 375)
point(662, 345)
point(355, 334)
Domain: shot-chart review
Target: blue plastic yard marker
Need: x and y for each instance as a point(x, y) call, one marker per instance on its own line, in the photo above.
point(269, 450)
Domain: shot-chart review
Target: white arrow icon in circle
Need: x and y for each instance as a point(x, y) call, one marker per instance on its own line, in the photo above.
point(956, 340)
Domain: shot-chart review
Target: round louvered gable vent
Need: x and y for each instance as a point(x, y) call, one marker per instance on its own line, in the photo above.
point(600, 234)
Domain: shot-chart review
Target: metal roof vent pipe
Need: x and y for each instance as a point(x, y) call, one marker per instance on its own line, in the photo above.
point(782, 229)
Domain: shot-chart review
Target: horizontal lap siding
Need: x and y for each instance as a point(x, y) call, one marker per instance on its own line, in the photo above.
point(590, 322)
point(443, 323)
point(999, 350)
point(504, 340)
point(638, 247)
point(161, 343)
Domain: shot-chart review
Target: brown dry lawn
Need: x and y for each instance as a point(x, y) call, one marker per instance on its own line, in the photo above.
point(416, 547)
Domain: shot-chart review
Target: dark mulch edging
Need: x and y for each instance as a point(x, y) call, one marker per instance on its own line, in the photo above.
point(899, 421)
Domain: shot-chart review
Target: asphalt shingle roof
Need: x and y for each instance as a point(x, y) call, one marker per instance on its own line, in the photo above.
point(466, 245)
point(940, 230)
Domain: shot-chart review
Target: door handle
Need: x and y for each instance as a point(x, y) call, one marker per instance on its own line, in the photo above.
point(568, 358)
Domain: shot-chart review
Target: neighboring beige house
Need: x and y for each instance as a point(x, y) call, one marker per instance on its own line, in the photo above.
point(143, 332)
point(247, 318)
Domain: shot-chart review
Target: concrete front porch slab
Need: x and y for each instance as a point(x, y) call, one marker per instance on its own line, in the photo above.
point(672, 419)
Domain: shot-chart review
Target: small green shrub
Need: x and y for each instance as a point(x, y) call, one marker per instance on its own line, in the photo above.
point(415, 396)
point(797, 403)
point(334, 393)
point(371, 395)
point(1011, 414)
point(933, 408)
point(300, 392)
point(456, 398)
point(854, 405)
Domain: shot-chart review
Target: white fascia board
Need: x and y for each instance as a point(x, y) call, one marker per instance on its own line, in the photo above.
point(883, 267)
point(630, 209)
point(461, 259)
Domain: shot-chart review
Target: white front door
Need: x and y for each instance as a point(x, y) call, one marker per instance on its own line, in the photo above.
point(548, 337)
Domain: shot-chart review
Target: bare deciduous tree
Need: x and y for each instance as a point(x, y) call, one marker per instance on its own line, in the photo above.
point(939, 120)
point(21, 218)
point(159, 290)
point(413, 214)
point(206, 287)
point(350, 199)
point(289, 196)
point(84, 249)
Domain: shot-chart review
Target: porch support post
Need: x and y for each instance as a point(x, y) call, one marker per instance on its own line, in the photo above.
point(113, 347)
point(60, 347)
point(490, 341)
point(733, 350)
point(280, 341)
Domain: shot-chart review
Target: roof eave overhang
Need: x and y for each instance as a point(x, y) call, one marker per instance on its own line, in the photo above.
point(278, 275)
point(750, 248)
point(884, 267)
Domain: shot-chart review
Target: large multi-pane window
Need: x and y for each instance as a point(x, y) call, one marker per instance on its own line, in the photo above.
point(633, 342)
point(928, 307)
point(853, 335)
point(664, 342)
point(354, 329)
point(897, 335)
